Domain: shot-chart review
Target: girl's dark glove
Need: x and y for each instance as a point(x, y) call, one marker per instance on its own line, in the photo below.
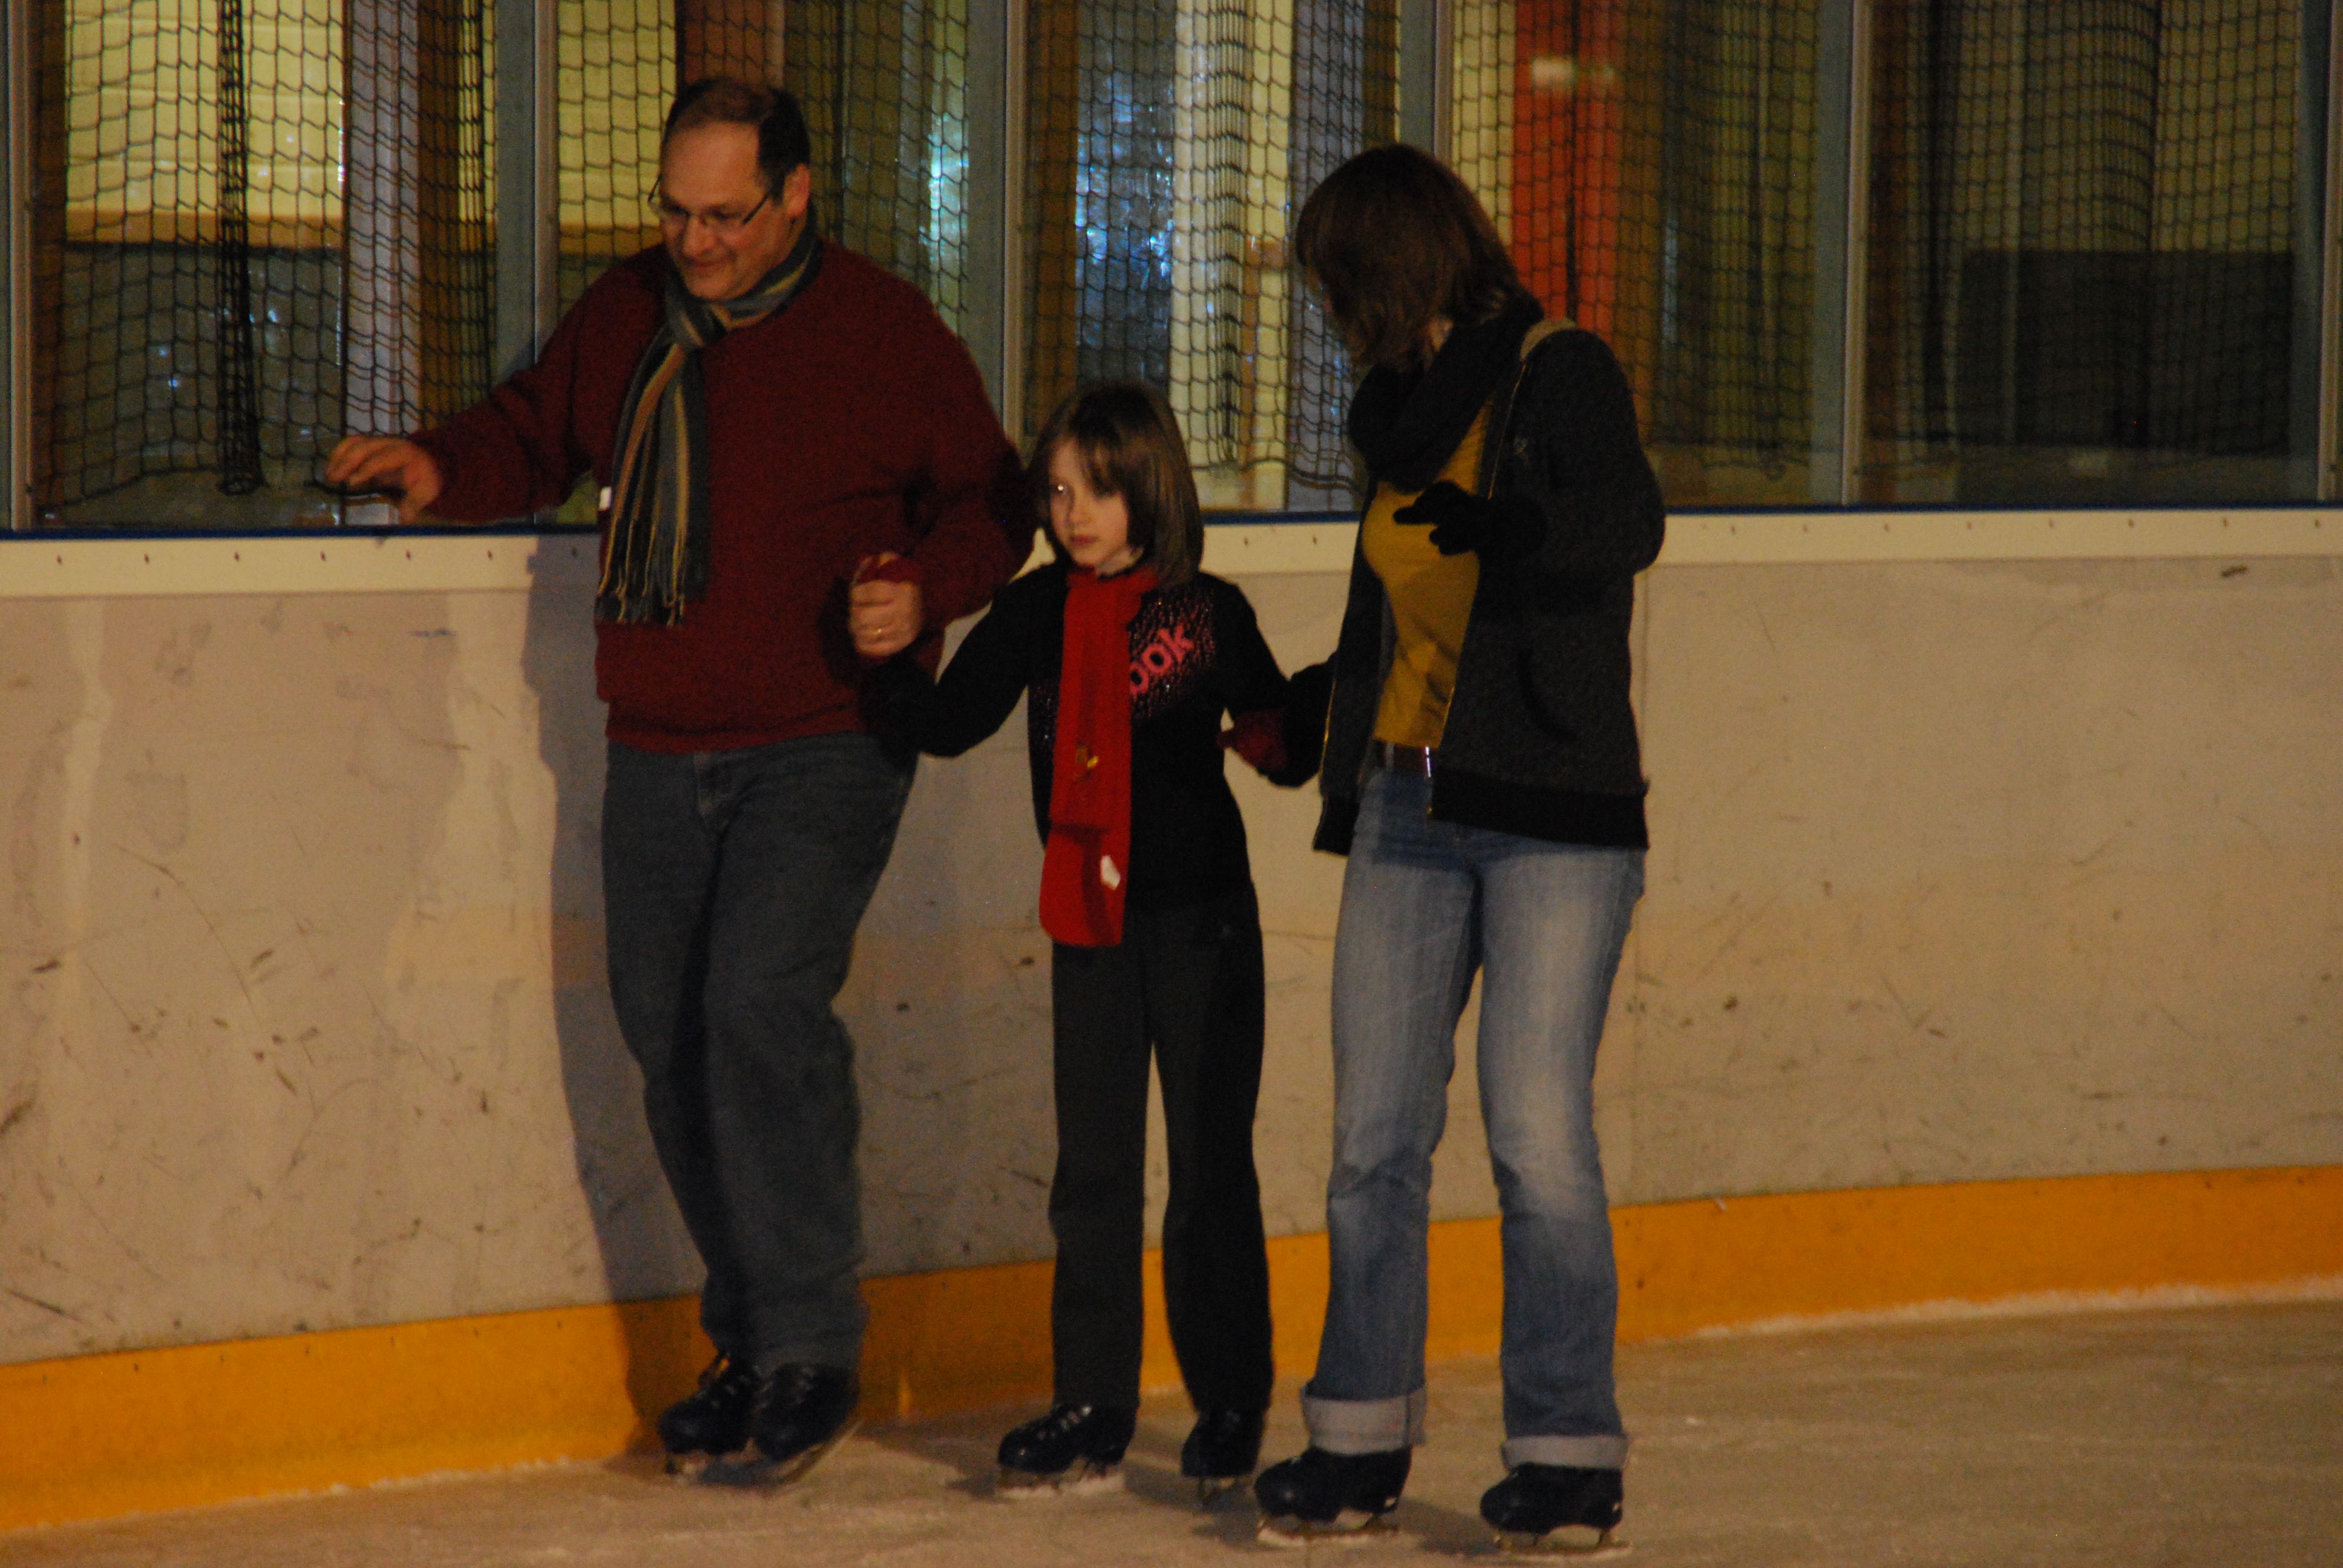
point(1283, 744)
point(1496, 529)
point(900, 692)
point(1260, 739)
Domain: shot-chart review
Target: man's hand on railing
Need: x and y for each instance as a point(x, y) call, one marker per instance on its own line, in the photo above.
point(391, 466)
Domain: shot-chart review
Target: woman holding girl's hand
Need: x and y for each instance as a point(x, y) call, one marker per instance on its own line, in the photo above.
point(1481, 773)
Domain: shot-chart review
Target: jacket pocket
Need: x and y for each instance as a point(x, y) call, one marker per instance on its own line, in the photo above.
point(1539, 693)
point(1555, 669)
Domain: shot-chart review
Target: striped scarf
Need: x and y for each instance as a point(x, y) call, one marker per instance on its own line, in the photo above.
point(655, 550)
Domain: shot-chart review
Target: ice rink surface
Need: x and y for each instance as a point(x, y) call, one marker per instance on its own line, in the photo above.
point(2140, 1439)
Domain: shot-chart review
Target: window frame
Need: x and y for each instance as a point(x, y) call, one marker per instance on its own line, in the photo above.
point(528, 250)
point(16, 245)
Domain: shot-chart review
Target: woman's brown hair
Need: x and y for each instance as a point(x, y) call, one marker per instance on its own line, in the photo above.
point(1129, 446)
point(1394, 239)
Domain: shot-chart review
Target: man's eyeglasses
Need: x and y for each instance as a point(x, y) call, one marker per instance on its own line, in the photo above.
point(721, 222)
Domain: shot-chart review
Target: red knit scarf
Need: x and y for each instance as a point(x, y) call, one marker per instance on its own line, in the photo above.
point(1088, 861)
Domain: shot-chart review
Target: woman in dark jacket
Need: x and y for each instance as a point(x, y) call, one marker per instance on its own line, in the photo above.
point(1482, 772)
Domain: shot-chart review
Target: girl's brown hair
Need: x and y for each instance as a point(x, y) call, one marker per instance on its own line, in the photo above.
point(1394, 239)
point(1129, 446)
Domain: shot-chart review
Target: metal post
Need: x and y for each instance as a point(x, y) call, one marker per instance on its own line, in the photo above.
point(382, 184)
point(1826, 348)
point(1852, 363)
point(1426, 75)
point(528, 248)
point(15, 244)
point(1013, 156)
point(2326, 353)
point(996, 162)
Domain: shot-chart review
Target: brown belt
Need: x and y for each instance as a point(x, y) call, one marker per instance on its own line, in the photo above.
point(1415, 759)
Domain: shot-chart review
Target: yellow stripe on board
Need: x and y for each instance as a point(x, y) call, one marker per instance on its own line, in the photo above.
point(101, 1435)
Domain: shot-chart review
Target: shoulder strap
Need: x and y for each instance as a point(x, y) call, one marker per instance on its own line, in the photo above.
point(1543, 330)
point(1501, 411)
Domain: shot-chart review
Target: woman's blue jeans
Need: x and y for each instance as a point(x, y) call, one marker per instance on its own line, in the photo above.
point(1424, 905)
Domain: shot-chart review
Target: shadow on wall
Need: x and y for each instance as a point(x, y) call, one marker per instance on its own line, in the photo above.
point(947, 1002)
point(645, 1253)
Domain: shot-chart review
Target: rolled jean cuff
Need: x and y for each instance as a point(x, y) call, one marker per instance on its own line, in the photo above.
point(1594, 1451)
point(1365, 1425)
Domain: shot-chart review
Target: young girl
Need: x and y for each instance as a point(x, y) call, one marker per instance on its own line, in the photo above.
point(1128, 657)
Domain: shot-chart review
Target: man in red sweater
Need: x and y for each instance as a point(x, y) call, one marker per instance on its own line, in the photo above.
point(764, 413)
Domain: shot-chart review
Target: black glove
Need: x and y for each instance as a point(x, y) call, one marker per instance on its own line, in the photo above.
point(1506, 529)
point(1308, 696)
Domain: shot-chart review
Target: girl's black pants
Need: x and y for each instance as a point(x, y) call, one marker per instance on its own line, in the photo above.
point(1185, 981)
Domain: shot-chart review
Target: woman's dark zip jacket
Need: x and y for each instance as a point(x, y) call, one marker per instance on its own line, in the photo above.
point(1540, 739)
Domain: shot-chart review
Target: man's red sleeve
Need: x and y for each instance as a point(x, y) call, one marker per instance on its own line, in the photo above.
point(515, 451)
point(980, 525)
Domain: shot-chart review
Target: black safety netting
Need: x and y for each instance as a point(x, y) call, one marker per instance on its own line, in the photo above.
point(884, 86)
point(259, 224)
point(616, 68)
point(2083, 252)
point(1653, 170)
point(255, 224)
point(1169, 148)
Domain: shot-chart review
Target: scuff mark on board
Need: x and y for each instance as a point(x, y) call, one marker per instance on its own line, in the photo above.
point(209, 925)
point(70, 1316)
point(1913, 1021)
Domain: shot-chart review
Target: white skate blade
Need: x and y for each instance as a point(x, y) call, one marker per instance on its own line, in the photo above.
point(688, 1467)
point(1081, 1480)
point(1350, 1527)
point(1208, 1487)
point(750, 1469)
point(1579, 1542)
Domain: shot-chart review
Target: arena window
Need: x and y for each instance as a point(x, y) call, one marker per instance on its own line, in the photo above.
point(1855, 253)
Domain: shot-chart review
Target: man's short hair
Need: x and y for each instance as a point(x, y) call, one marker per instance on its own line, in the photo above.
point(783, 144)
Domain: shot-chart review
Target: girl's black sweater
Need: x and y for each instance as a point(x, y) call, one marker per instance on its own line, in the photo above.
point(1196, 653)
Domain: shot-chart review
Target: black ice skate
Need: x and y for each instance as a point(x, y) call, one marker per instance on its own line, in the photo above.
point(713, 1419)
point(1075, 1447)
point(807, 1411)
point(1556, 1509)
point(1318, 1495)
point(1221, 1451)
